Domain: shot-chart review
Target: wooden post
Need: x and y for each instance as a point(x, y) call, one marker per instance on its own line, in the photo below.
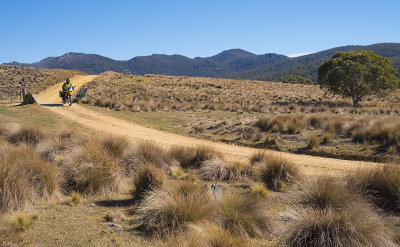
point(23, 93)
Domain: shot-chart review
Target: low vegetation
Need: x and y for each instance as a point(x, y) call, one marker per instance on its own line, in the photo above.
point(276, 172)
point(13, 78)
point(172, 200)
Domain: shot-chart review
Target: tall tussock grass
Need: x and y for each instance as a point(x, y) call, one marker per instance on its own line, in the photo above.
point(205, 234)
point(276, 172)
point(193, 157)
point(115, 145)
point(351, 226)
point(25, 177)
point(244, 214)
point(17, 134)
point(146, 178)
point(90, 169)
point(327, 192)
point(217, 169)
point(172, 207)
point(143, 153)
point(381, 185)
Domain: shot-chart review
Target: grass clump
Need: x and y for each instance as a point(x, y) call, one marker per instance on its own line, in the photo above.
point(190, 157)
point(313, 142)
point(325, 192)
point(258, 157)
point(115, 145)
point(17, 134)
point(91, 169)
point(276, 172)
point(260, 190)
point(351, 226)
point(216, 169)
point(145, 179)
point(172, 207)
point(205, 234)
point(177, 172)
point(76, 198)
point(381, 185)
point(243, 214)
point(143, 153)
point(21, 222)
point(25, 177)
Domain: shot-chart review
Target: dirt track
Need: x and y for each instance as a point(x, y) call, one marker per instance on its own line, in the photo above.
point(309, 164)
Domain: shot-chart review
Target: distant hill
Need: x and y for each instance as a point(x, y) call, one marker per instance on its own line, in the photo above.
point(307, 66)
point(234, 63)
point(226, 62)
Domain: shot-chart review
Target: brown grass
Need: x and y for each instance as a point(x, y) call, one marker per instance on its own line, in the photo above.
point(244, 214)
point(218, 170)
point(90, 169)
point(276, 172)
point(146, 178)
point(175, 205)
point(351, 226)
point(381, 185)
point(189, 157)
point(25, 178)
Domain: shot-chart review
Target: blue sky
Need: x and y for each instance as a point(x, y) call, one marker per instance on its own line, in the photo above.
point(33, 30)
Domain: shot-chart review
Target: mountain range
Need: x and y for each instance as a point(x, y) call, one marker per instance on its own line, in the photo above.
point(234, 63)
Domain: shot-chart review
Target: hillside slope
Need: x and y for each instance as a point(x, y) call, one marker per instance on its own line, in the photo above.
point(307, 66)
point(229, 61)
point(234, 63)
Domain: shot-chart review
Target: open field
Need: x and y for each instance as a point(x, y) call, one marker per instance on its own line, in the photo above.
point(278, 116)
point(94, 176)
point(110, 171)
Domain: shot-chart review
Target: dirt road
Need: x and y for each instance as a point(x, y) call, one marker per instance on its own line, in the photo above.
point(310, 165)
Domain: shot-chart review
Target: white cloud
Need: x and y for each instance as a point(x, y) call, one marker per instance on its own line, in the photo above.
point(299, 54)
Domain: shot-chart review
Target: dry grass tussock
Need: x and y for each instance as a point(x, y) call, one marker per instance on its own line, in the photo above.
point(193, 157)
point(245, 215)
point(276, 172)
point(25, 178)
point(173, 206)
point(381, 185)
point(146, 178)
point(17, 134)
point(218, 170)
point(351, 226)
point(90, 169)
point(328, 192)
point(143, 153)
point(12, 227)
point(203, 234)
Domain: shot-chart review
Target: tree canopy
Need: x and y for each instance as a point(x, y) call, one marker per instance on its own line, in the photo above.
point(357, 74)
point(296, 79)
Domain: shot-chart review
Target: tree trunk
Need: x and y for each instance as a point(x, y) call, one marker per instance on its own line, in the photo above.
point(356, 100)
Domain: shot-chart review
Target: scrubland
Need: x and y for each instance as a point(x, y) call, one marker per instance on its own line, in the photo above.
point(287, 117)
point(71, 188)
point(13, 78)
